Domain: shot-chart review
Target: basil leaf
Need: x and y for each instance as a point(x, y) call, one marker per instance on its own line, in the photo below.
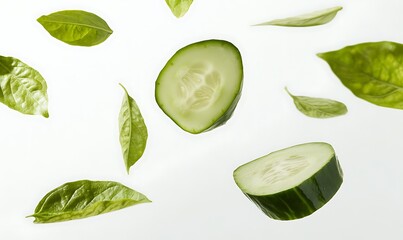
point(76, 27)
point(179, 7)
point(318, 107)
point(133, 131)
point(81, 199)
point(372, 71)
point(22, 88)
point(306, 20)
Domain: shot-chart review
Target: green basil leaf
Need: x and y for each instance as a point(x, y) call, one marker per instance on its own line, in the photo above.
point(76, 27)
point(179, 7)
point(81, 199)
point(306, 20)
point(372, 71)
point(133, 131)
point(318, 107)
point(22, 88)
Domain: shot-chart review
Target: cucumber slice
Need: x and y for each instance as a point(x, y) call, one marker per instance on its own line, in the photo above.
point(291, 183)
point(200, 85)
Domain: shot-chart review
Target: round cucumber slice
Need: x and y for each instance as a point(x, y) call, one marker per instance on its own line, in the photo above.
point(291, 183)
point(200, 85)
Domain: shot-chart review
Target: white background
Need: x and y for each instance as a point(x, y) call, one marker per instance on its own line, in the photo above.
point(189, 177)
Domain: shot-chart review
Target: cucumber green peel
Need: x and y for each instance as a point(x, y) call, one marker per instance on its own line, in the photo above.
point(200, 85)
point(291, 183)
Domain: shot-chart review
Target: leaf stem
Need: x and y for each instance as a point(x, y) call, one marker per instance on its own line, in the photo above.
point(124, 88)
point(286, 89)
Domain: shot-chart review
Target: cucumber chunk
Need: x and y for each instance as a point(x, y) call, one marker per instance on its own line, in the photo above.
point(200, 85)
point(291, 183)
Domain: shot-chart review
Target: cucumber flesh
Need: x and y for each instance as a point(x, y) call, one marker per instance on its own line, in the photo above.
point(291, 183)
point(200, 85)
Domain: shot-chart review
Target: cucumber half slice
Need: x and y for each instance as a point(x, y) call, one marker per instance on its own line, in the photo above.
point(291, 183)
point(200, 85)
